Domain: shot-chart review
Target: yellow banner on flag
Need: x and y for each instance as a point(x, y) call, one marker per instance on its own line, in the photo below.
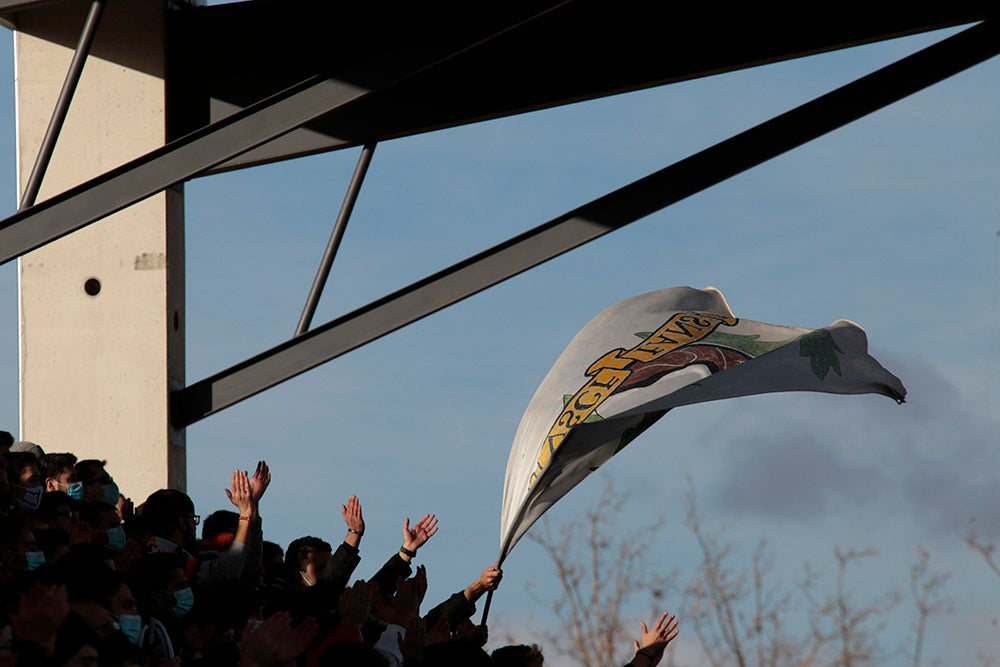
point(612, 369)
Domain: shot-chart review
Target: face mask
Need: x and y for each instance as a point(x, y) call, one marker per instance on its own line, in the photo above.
point(31, 499)
point(111, 494)
point(183, 601)
point(35, 559)
point(75, 490)
point(131, 626)
point(116, 537)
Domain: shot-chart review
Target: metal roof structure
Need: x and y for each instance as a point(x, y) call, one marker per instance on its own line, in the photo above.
point(267, 80)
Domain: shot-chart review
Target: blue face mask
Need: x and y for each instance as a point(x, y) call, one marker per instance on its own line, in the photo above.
point(116, 537)
point(75, 490)
point(111, 494)
point(35, 559)
point(31, 499)
point(183, 601)
point(131, 625)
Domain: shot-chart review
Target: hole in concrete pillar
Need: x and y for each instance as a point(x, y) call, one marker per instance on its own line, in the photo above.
point(92, 286)
point(177, 321)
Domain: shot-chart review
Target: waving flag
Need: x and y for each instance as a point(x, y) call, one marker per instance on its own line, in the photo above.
point(653, 352)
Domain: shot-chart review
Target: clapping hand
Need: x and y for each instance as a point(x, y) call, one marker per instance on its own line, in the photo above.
point(355, 603)
point(41, 610)
point(259, 482)
point(276, 642)
point(414, 538)
point(240, 495)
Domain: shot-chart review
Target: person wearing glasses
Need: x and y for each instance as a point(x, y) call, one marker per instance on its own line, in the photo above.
point(171, 519)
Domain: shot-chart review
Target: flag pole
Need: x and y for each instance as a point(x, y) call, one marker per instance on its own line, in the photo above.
point(486, 607)
point(489, 594)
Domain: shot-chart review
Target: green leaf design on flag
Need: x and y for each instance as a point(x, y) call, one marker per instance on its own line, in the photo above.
point(822, 351)
point(749, 345)
point(592, 417)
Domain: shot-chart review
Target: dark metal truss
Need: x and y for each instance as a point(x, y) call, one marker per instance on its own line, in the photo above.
point(588, 222)
point(587, 49)
point(279, 114)
point(354, 95)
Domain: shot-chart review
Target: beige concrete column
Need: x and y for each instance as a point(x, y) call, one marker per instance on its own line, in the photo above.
point(102, 310)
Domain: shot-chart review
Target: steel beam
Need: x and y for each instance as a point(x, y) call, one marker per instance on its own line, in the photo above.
point(333, 244)
point(589, 50)
point(62, 103)
point(21, 5)
point(601, 216)
point(196, 152)
point(177, 161)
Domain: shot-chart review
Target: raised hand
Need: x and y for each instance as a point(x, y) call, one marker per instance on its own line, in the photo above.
point(489, 580)
point(476, 634)
point(275, 642)
point(240, 494)
point(414, 538)
point(354, 520)
point(355, 603)
point(655, 641)
point(405, 605)
point(440, 632)
point(412, 645)
point(41, 610)
point(128, 556)
point(125, 507)
point(259, 481)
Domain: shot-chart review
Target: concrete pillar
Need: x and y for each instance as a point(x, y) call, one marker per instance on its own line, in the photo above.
point(102, 310)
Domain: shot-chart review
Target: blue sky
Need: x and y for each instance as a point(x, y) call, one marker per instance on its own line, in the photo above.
point(892, 222)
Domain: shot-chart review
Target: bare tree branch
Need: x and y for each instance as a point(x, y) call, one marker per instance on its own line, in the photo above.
point(985, 550)
point(598, 575)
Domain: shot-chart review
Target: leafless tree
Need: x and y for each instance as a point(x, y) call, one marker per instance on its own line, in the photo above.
point(986, 550)
point(926, 591)
point(741, 613)
point(738, 615)
point(599, 570)
point(852, 627)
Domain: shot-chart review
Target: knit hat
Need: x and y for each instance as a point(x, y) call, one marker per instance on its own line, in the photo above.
point(31, 448)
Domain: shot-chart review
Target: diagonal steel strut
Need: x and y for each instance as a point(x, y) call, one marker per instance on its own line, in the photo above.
point(588, 222)
point(326, 263)
point(214, 144)
point(76, 65)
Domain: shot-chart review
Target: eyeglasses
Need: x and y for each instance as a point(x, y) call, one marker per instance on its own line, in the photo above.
point(195, 517)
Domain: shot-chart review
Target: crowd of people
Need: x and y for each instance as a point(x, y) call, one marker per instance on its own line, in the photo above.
point(87, 579)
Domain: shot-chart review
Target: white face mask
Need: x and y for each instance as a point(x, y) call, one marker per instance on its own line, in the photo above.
point(31, 499)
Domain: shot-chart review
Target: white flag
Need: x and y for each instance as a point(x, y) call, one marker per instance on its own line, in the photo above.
point(653, 352)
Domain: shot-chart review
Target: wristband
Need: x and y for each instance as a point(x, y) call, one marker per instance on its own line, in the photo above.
point(356, 532)
point(408, 552)
point(245, 518)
